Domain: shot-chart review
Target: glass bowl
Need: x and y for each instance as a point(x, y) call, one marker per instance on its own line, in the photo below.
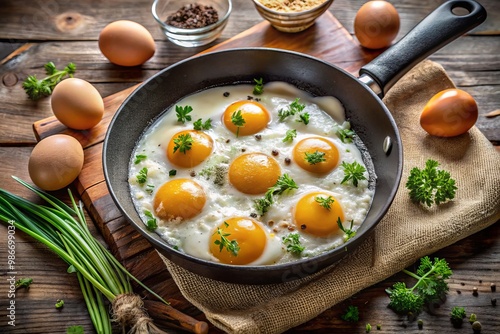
point(292, 21)
point(191, 37)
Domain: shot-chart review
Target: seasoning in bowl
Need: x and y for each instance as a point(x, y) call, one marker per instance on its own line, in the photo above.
point(192, 16)
point(291, 5)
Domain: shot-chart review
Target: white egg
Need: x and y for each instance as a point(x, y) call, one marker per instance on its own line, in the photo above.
point(227, 190)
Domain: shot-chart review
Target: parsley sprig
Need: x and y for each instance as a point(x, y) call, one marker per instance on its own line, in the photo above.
point(430, 185)
point(151, 224)
point(345, 135)
point(290, 135)
point(183, 143)
point(142, 176)
point(348, 232)
point(353, 171)
point(325, 202)
point(258, 89)
point(431, 285)
point(293, 244)
point(183, 113)
point(351, 314)
point(304, 118)
point(139, 158)
point(238, 120)
point(315, 158)
point(200, 125)
point(285, 183)
point(36, 89)
point(294, 108)
point(230, 245)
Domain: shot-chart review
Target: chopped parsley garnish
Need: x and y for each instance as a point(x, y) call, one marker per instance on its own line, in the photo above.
point(351, 314)
point(284, 183)
point(142, 176)
point(290, 134)
point(230, 245)
point(430, 185)
point(183, 113)
point(183, 143)
point(151, 222)
point(139, 158)
point(345, 135)
point(238, 120)
point(353, 171)
point(172, 172)
point(294, 108)
point(150, 188)
point(304, 118)
point(325, 202)
point(315, 158)
point(23, 283)
point(258, 89)
point(199, 125)
point(292, 243)
point(348, 232)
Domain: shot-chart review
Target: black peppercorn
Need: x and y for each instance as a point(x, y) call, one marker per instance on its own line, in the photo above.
point(226, 94)
point(258, 137)
point(275, 152)
point(287, 161)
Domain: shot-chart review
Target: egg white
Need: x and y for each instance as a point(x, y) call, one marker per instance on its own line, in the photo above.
point(223, 200)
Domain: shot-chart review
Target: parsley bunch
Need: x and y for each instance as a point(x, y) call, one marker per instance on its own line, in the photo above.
point(430, 185)
point(284, 183)
point(37, 89)
point(430, 287)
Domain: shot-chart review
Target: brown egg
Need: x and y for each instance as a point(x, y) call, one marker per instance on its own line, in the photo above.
point(77, 104)
point(449, 113)
point(376, 24)
point(55, 162)
point(126, 43)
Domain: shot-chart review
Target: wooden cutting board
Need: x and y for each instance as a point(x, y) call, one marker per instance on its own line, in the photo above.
point(327, 40)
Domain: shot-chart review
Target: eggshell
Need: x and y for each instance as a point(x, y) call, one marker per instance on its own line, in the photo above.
point(55, 162)
point(126, 43)
point(449, 113)
point(77, 104)
point(376, 24)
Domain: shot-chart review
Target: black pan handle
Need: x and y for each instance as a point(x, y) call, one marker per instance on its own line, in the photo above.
point(439, 28)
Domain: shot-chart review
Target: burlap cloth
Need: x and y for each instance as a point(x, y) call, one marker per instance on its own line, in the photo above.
point(406, 233)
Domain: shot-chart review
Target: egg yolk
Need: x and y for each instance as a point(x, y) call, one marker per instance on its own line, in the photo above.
point(254, 173)
point(238, 240)
point(317, 214)
point(316, 155)
point(180, 198)
point(189, 148)
point(254, 117)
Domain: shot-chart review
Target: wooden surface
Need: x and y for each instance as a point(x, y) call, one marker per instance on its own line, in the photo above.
point(34, 33)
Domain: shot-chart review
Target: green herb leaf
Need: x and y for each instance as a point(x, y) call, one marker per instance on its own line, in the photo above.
point(294, 108)
point(325, 202)
point(345, 135)
point(430, 185)
point(348, 232)
point(36, 89)
point(290, 135)
point(75, 330)
point(23, 283)
point(315, 158)
point(304, 118)
point(199, 125)
point(457, 316)
point(351, 314)
point(151, 224)
point(183, 113)
point(283, 184)
point(230, 245)
point(183, 143)
point(293, 244)
point(353, 171)
point(142, 177)
point(172, 172)
point(150, 188)
point(139, 158)
point(258, 89)
point(59, 304)
point(238, 120)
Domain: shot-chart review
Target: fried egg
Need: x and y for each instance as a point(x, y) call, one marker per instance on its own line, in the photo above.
point(201, 185)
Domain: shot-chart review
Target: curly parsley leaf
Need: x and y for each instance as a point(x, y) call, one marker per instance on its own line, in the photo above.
point(345, 135)
point(258, 89)
point(139, 158)
point(304, 118)
point(238, 120)
point(430, 185)
point(351, 314)
point(348, 232)
point(151, 224)
point(325, 202)
point(183, 113)
point(36, 89)
point(283, 184)
point(142, 176)
point(290, 135)
point(315, 158)
point(183, 143)
point(293, 244)
point(353, 171)
point(294, 108)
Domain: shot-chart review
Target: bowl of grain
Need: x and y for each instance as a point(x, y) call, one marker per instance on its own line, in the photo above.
point(291, 15)
point(191, 24)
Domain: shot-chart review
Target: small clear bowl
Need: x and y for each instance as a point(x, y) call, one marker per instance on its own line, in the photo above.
point(161, 9)
point(292, 21)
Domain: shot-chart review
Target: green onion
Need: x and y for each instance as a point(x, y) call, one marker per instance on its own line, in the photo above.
point(64, 230)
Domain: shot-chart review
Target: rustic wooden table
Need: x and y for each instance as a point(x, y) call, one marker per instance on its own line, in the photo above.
point(34, 32)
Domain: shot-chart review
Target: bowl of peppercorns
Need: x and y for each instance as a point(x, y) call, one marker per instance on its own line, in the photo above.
point(191, 24)
point(291, 15)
